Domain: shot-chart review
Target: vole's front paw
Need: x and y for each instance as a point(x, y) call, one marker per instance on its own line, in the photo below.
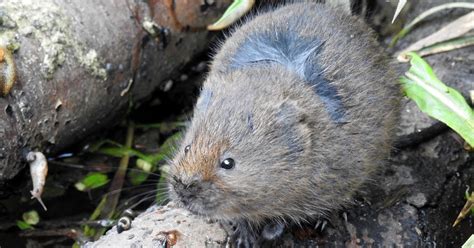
point(273, 231)
point(241, 235)
point(245, 241)
point(321, 224)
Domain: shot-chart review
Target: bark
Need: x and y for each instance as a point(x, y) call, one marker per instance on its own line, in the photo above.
point(152, 229)
point(78, 63)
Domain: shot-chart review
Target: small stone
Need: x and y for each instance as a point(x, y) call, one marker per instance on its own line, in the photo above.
point(201, 67)
point(167, 85)
point(131, 236)
point(109, 67)
point(419, 200)
point(183, 77)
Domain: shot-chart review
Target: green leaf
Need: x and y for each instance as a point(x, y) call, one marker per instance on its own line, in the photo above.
point(97, 145)
point(137, 177)
point(121, 151)
point(167, 147)
point(144, 165)
point(23, 225)
point(115, 151)
point(237, 9)
point(91, 181)
point(438, 100)
point(31, 217)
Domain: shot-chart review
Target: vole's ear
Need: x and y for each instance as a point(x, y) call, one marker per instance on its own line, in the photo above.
point(289, 113)
point(292, 128)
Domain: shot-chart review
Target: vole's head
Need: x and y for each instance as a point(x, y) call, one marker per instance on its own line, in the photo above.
point(242, 154)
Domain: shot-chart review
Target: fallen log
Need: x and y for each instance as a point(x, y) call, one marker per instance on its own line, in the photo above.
point(79, 63)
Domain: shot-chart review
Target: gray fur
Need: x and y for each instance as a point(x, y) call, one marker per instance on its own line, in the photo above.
point(301, 154)
point(286, 117)
point(204, 100)
point(297, 54)
point(250, 122)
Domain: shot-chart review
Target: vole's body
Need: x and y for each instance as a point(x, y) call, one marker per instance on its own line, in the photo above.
point(305, 103)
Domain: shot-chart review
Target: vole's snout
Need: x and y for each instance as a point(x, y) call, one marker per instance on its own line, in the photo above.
point(186, 189)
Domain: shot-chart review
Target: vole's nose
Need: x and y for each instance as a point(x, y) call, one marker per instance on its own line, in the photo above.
point(187, 188)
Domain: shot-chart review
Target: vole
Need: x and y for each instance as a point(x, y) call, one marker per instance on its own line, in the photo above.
point(297, 112)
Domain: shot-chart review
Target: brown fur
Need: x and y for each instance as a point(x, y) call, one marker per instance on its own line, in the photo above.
point(299, 151)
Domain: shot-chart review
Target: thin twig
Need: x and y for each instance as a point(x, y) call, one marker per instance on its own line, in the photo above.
point(108, 204)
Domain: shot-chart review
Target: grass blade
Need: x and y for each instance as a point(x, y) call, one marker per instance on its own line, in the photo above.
point(453, 30)
point(400, 5)
point(91, 181)
point(108, 203)
point(425, 14)
point(447, 46)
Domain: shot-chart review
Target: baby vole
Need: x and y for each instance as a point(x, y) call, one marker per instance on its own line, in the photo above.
point(297, 112)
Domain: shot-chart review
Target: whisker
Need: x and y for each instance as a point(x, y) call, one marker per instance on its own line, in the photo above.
point(146, 198)
point(131, 199)
point(83, 167)
point(129, 188)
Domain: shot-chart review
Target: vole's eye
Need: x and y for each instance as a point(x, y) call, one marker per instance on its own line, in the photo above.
point(187, 148)
point(228, 164)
